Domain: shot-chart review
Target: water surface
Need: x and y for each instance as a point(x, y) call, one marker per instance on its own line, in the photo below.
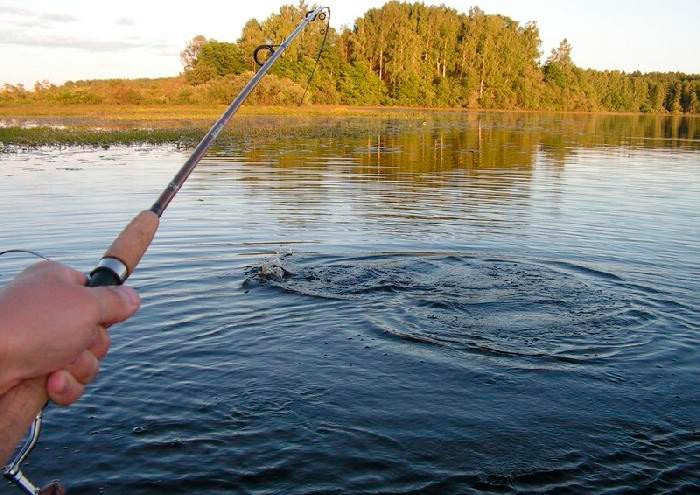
point(482, 303)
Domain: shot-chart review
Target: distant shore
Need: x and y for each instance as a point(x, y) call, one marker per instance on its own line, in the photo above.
point(35, 125)
point(183, 114)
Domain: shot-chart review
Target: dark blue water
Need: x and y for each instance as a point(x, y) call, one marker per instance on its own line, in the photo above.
point(501, 303)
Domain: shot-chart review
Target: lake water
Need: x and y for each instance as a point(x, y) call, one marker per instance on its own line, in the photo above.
point(481, 303)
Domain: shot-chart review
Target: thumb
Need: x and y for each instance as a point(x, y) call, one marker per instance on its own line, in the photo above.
point(115, 304)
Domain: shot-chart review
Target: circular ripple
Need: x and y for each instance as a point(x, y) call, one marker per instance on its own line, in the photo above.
point(487, 306)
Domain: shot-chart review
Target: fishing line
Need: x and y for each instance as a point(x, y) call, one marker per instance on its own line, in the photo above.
point(271, 48)
point(321, 16)
point(23, 251)
point(27, 251)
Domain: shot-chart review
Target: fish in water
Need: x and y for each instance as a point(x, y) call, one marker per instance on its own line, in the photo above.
point(273, 268)
point(272, 271)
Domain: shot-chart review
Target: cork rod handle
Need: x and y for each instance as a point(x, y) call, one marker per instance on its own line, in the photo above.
point(132, 243)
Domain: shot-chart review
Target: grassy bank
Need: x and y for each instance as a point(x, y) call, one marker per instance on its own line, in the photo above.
point(26, 126)
point(163, 114)
point(178, 115)
point(32, 125)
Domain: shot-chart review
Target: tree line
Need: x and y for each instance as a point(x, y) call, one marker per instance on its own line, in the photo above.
point(398, 54)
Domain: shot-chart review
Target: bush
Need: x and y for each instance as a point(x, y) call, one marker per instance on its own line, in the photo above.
point(200, 74)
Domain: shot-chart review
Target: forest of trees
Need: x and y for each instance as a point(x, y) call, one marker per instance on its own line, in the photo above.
point(399, 54)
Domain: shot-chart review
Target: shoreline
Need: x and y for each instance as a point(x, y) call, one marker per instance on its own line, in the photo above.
point(95, 114)
point(32, 126)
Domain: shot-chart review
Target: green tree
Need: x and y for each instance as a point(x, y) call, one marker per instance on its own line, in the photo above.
point(225, 58)
point(558, 68)
point(359, 85)
point(405, 53)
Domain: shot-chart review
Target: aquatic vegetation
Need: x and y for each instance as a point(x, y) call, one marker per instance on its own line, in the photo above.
point(29, 126)
point(12, 138)
point(467, 137)
point(17, 138)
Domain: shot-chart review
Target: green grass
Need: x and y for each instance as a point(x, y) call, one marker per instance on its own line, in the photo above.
point(30, 126)
point(12, 138)
point(17, 138)
point(116, 114)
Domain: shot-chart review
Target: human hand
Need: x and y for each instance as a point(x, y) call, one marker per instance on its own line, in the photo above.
point(51, 324)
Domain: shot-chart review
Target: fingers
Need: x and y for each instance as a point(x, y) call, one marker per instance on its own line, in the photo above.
point(101, 346)
point(63, 388)
point(52, 324)
point(68, 385)
point(84, 368)
point(115, 304)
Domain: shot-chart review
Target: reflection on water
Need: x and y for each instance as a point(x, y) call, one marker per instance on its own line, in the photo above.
point(460, 303)
point(448, 141)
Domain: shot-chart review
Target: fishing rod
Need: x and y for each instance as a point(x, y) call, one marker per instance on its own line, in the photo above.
point(22, 407)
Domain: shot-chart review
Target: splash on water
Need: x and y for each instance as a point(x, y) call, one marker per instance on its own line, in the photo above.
point(273, 268)
point(490, 306)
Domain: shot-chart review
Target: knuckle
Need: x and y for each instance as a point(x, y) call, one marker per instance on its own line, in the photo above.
point(107, 341)
point(101, 346)
point(117, 300)
point(88, 368)
point(89, 335)
point(95, 335)
point(110, 301)
point(95, 305)
point(87, 308)
point(94, 365)
point(95, 371)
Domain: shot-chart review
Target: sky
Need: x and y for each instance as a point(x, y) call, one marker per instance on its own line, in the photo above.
point(88, 39)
